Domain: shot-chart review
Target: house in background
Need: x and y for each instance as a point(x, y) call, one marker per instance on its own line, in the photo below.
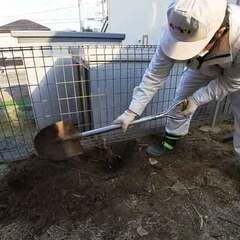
point(42, 72)
point(6, 38)
point(23, 25)
point(25, 32)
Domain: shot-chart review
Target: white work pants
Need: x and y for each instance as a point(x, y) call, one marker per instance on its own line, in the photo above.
point(189, 83)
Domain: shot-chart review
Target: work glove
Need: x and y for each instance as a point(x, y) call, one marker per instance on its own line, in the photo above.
point(125, 119)
point(189, 107)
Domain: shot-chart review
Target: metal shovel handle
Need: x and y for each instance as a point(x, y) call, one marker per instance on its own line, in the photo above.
point(118, 126)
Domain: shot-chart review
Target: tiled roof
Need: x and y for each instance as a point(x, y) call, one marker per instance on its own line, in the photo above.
point(23, 25)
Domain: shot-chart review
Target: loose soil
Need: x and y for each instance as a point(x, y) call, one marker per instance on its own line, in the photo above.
point(191, 194)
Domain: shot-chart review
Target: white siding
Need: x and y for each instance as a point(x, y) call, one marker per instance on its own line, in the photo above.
point(136, 18)
point(6, 40)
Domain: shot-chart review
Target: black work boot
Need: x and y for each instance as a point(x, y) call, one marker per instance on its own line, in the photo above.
point(165, 147)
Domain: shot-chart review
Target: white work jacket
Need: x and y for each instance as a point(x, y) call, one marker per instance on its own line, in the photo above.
point(222, 68)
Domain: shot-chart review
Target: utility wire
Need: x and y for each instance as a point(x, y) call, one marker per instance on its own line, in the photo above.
point(43, 11)
point(62, 22)
point(70, 21)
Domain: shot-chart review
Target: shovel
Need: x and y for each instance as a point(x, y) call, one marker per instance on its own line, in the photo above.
point(62, 140)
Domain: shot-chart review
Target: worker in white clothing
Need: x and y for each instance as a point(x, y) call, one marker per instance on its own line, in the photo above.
point(205, 34)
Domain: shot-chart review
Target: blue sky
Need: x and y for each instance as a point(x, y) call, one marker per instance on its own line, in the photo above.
point(56, 14)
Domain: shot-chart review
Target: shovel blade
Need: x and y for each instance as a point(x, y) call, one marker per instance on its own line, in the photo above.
point(50, 142)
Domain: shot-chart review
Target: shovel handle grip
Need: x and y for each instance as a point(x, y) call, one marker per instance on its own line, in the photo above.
point(118, 126)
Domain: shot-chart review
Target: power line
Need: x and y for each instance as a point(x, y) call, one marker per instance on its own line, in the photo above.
point(56, 22)
point(43, 11)
point(60, 22)
point(54, 19)
point(67, 20)
point(97, 18)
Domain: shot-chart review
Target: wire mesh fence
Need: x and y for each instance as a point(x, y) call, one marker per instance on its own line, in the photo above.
point(88, 85)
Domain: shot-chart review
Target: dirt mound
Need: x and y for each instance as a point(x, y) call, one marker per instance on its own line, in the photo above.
point(192, 193)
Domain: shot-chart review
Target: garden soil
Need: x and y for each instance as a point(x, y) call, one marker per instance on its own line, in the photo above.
point(190, 194)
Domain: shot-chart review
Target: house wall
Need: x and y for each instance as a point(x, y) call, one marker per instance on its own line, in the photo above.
point(6, 40)
point(136, 18)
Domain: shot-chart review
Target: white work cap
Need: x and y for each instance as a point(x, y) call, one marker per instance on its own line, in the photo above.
point(191, 26)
